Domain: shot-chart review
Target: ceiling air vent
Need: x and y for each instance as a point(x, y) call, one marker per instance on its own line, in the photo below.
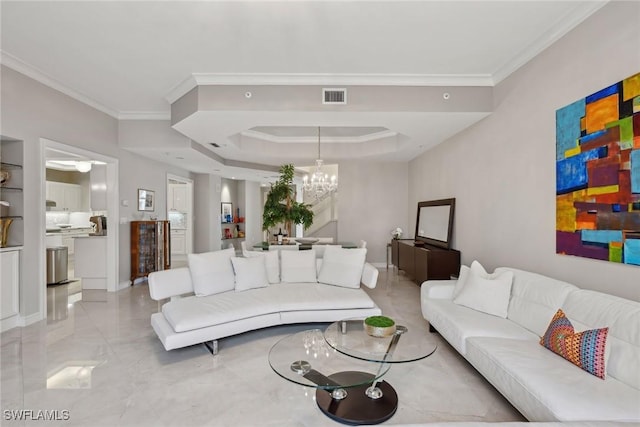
point(214, 144)
point(334, 96)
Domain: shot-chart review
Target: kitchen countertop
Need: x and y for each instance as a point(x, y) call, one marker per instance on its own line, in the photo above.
point(55, 229)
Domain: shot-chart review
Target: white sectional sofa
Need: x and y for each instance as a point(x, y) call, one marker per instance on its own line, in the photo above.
point(297, 288)
point(542, 385)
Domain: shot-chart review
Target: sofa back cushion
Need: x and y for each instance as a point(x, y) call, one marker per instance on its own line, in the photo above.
point(481, 291)
point(591, 310)
point(212, 272)
point(535, 299)
point(251, 273)
point(342, 267)
point(298, 266)
point(272, 261)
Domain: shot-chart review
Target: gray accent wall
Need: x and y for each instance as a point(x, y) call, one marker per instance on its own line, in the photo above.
point(502, 170)
point(373, 199)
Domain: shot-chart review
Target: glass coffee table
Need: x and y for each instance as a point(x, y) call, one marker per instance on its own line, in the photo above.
point(346, 367)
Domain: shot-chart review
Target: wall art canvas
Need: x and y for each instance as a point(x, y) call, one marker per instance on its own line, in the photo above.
point(598, 175)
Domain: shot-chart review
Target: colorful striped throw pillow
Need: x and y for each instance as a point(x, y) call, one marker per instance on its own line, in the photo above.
point(584, 349)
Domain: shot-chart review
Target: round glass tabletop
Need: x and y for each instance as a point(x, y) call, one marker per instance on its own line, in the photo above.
point(305, 358)
point(349, 337)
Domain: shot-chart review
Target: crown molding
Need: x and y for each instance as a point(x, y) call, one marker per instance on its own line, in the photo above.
point(309, 79)
point(180, 89)
point(32, 72)
point(562, 26)
point(314, 139)
point(144, 115)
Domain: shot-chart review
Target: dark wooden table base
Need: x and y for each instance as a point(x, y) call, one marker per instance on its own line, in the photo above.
point(357, 408)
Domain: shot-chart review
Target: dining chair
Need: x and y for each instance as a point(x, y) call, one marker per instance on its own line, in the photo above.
point(284, 247)
point(321, 248)
point(325, 240)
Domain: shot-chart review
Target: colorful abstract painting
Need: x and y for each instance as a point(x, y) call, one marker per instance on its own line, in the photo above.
point(598, 175)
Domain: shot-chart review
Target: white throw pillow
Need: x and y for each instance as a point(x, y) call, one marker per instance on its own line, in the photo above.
point(342, 267)
point(272, 263)
point(462, 279)
point(251, 273)
point(212, 272)
point(298, 266)
point(488, 293)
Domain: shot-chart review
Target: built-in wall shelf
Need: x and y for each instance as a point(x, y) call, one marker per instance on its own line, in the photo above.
point(12, 155)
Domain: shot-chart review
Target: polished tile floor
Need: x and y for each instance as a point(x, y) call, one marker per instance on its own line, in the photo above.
point(97, 357)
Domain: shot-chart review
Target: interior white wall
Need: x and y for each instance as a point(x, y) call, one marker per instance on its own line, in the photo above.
point(252, 213)
point(502, 170)
point(30, 111)
point(206, 205)
point(373, 199)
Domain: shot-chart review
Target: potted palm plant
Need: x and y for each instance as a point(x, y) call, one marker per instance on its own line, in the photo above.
point(281, 206)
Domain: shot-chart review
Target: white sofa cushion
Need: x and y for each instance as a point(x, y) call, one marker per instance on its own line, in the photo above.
point(462, 279)
point(272, 262)
point(488, 293)
point(545, 387)
point(298, 266)
point(342, 267)
point(251, 273)
point(456, 323)
point(535, 299)
point(590, 310)
point(212, 272)
point(200, 312)
point(316, 296)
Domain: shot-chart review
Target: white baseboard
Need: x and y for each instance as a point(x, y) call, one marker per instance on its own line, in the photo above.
point(29, 320)
point(9, 323)
point(379, 264)
point(124, 285)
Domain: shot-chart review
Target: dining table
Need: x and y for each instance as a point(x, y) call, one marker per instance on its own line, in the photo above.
point(265, 246)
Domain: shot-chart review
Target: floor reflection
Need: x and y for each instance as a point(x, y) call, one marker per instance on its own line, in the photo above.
point(60, 298)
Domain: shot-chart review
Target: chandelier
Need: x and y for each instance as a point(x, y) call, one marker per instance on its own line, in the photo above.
point(319, 184)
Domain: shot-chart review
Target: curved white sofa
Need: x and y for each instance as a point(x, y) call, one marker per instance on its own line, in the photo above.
point(191, 319)
point(540, 384)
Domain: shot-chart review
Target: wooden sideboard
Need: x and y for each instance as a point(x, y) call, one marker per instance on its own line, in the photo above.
point(424, 262)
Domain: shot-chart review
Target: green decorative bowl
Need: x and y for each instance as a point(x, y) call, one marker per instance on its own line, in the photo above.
point(379, 326)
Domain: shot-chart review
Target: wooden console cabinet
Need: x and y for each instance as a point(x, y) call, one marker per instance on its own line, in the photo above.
point(424, 262)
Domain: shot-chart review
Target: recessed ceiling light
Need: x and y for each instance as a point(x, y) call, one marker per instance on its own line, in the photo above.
point(247, 94)
point(446, 95)
point(214, 144)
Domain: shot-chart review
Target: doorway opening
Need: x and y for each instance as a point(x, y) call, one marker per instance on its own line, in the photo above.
point(180, 216)
point(79, 186)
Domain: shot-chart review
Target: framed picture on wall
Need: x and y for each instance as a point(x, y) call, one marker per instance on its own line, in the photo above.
point(227, 212)
point(146, 200)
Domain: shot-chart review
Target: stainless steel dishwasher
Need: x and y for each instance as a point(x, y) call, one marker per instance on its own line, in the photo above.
point(57, 264)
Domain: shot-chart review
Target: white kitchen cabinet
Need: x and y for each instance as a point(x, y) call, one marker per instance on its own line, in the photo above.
point(177, 199)
point(68, 197)
point(178, 242)
point(91, 261)
point(67, 241)
point(9, 286)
